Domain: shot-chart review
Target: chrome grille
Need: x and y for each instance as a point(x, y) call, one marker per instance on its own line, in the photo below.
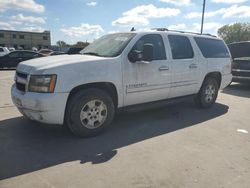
point(21, 81)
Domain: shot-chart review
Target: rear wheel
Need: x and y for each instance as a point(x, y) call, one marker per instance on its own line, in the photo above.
point(208, 93)
point(89, 112)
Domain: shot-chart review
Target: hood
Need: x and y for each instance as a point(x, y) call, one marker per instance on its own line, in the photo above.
point(239, 49)
point(54, 61)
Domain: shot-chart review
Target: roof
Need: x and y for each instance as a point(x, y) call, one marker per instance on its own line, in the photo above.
point(43, 32)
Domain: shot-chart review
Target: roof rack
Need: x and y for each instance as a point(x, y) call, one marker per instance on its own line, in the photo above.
point(166, 29)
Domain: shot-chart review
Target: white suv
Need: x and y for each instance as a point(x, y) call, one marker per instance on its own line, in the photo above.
point(84, 91)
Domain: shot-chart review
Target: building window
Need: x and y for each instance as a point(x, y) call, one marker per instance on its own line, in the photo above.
point(21, 36)
point(45, 38)
point(1, 35)
point(14, 36)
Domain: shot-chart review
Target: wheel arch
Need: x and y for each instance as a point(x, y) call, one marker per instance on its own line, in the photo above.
point(216, 75)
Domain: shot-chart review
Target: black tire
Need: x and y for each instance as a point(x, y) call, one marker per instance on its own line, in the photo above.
point(201, 99)
point(77, 104)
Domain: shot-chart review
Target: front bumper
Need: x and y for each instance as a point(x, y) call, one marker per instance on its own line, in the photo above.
point(43, 107)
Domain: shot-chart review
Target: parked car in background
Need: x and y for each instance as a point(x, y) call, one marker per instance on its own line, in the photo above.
point(4, 51)
point(12, 59)
point(240, 52)
point(11, 49)
point(57, 53)
point(45, 51)
point(74, 50)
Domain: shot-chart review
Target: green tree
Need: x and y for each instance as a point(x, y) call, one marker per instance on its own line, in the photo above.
point(61, 43)
point(235, 33)
point(81, 44)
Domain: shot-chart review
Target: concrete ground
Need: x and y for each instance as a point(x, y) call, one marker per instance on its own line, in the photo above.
point(175, 145)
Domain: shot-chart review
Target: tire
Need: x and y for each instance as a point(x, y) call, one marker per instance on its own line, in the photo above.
point(208, 93)
point(89, 112)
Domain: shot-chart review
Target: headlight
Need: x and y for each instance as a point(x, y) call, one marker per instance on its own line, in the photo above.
point(42, 83)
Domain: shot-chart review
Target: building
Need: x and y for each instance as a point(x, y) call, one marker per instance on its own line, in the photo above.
point(25, 39)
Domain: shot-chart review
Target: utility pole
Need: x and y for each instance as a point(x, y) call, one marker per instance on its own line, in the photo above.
point(203, 12)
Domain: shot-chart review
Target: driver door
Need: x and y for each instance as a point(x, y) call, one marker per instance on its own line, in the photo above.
point(147, 81)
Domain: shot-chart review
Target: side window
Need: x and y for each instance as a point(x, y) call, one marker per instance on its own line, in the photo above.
point(154, 39)
point(1, 50)
point(181, 47)
point(28, 54)
point(212, 48)
point(14, 54)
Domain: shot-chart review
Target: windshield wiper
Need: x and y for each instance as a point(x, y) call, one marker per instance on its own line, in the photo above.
point(92, 53)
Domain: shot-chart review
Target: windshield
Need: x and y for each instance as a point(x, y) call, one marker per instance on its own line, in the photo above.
point(109, 45)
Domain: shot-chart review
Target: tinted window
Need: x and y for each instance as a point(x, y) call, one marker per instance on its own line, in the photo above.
point(14, 54)
point(1, 50)
point(212, 48)
point(181, 47)
point(28, 54)
point(14, 36)
point(45, 38)
point(154, 39)
point(1, 35)
point(21, 36)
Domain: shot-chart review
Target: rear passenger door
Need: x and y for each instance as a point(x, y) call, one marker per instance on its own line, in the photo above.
point(185, 66)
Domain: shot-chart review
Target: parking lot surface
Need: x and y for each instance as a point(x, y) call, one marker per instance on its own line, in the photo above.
point(174, 145)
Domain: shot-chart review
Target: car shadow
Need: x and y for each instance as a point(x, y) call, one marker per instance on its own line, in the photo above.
point(238, 89)
point(26, 146)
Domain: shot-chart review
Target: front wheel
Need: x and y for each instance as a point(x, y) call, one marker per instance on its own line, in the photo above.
point(208, 93)
point(89, 112)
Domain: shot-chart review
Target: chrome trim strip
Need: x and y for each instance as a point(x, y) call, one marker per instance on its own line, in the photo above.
point(240, 70)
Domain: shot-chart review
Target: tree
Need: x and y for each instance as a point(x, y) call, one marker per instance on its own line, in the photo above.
point(235, 33)
point(61, 43)
point(81, 44)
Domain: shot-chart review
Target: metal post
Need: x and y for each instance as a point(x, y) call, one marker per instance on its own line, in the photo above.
point(203, 11)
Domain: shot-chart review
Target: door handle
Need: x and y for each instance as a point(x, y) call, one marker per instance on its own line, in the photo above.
point(193, 66)
point(163, 68)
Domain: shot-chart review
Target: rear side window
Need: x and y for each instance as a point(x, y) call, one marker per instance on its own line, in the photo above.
point(212, 48)
point(28, 54)
point(181, 47)
point(156, 41)
point(1, 50)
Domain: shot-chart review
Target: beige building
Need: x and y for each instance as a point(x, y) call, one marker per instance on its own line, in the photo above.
point(25, 39)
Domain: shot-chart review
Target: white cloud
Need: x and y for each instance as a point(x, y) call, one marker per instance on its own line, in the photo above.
point(83, 30)
point(181, 26)
point(237, 11)
point(140, 15)
point(178, 2)
point(33, 29)
point(131, 21)
point(113, 31)
point(28, 19)
point(209, 27)
point(229, 1)
point(233, 11)
point(25, 5)
point(6, 26)
point(92, 3)
point(207, 14)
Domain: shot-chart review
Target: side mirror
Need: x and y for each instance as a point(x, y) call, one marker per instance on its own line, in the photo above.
point(147, 53)
point(134, 56)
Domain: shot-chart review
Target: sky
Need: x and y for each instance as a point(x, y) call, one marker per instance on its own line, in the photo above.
point(87, 20)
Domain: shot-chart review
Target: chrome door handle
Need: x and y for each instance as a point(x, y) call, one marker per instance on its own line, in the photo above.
point(193, 66)
point(163, 68)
